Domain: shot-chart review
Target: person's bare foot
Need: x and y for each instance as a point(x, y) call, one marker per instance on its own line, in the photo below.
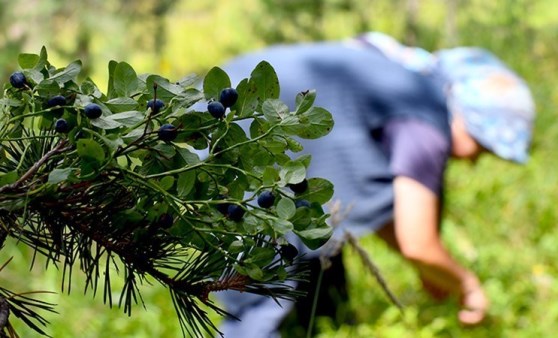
point(474, 306)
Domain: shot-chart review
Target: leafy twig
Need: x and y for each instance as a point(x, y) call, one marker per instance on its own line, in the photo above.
point(369, 264)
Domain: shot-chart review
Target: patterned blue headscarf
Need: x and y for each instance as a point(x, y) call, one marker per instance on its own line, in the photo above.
point(495, 103)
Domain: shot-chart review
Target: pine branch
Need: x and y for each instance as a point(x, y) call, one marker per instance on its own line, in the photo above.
point(23, 307)
point(33, 170)
point(95, 190)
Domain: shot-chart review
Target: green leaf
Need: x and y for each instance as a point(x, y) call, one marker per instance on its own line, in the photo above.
point(247, 101)
point(215, 81)
point(9, 102)
point(28, 60)
point(294, 145)
point(112, 141)
point(88, 87)
point(265, 80)
point(47, 88)
point(252, 225)
point(105, 123)
point(8, 178)
point(121, 104)
point(319, 190)
point(165, 90)
point(316, 237)
point(185, 183)
point(258, 127)
point(238, 186)
point(305, 160)
point(302, 219)
point(286, 208)
point(125, 80)
point(111, 68)
point(290, 120)
point(292, 172)
point(274, 110)
point(89, 149)
point(189, 80)
point(236, 247)
point(166, 182)
point(282, 226)
point(275, 144)
point(67, 74)
point(128, 118)
point(187, 98)
point(133, 135)
point(261, 256)
point(43, 60)
point(304, 100)
point(34, 75)
point(164, 151)
point(58, 175)
point(314, 123)
point(254, 272)
point(270, 175)
point(188, 156)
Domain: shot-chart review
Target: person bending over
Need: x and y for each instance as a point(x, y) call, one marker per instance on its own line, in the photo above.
point(400, 113)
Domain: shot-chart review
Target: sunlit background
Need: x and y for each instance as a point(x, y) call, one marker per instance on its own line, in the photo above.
point(501, 218)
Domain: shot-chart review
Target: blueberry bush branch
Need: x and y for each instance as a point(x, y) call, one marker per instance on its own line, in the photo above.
point(189, 184)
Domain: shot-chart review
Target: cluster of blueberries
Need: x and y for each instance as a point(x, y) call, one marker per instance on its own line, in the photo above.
point(265, 200)
point(56, 104)
point(227, 98)
point(167, 133)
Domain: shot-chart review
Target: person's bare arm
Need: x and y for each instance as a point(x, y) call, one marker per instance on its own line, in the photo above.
point(416, 231)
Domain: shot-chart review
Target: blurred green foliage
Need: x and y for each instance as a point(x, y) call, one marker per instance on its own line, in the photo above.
point(500, 219)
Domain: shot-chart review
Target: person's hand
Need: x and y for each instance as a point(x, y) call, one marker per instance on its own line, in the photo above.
point(474, 303)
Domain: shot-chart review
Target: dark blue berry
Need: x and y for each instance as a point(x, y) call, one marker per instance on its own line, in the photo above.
point(228, 97)
point(167, 132)
point(93, 111)
point(299, 188)
point(288, 252)
point(165, 221)
point(55, 101)
point(157, 107)
point(222, 207)
point(235, 212)
point(266, 199)
point(17, 80)
point(61, 126)
point(302, 203)
point(216, 109)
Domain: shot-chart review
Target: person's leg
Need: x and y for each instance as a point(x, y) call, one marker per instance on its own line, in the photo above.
point(259, 316)
point(332, 299)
